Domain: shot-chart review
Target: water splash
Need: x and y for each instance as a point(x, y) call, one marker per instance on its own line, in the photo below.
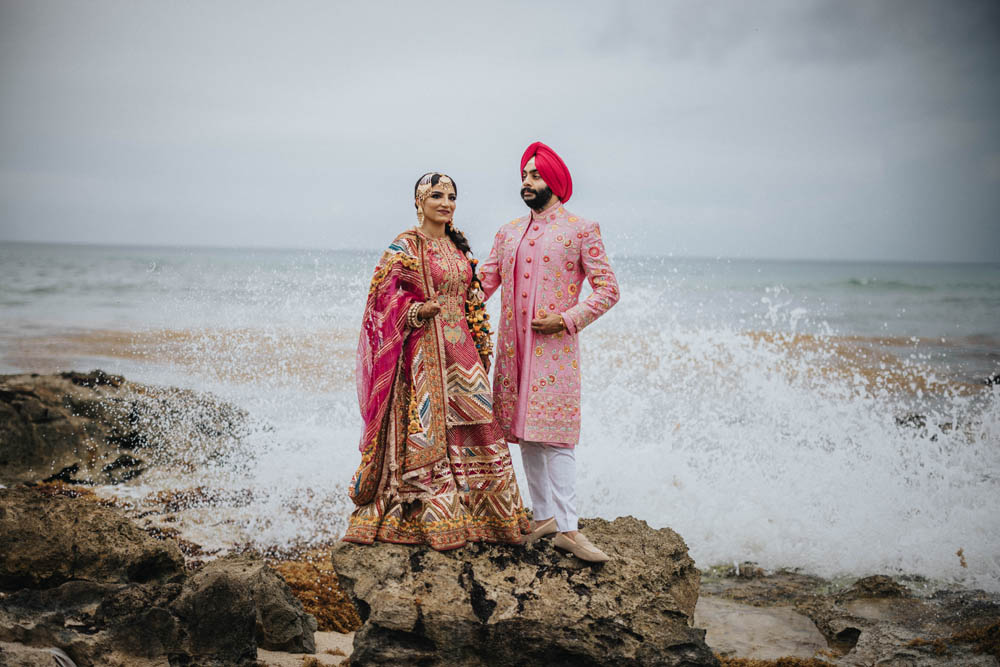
point(741, 411)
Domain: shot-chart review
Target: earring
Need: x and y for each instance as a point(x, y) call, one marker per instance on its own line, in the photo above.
point(420, 218)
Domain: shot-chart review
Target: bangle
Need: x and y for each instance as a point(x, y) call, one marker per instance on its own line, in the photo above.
point(413, 316)
point(563, 323)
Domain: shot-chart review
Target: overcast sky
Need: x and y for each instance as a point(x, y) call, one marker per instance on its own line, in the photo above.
point(852, 130)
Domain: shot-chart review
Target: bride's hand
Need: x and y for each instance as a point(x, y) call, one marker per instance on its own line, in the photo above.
point(429, 310)
point(485, 358)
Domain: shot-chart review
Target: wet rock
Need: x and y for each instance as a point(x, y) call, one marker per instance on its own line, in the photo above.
point(912, 420)
point(19, 655)
point(877, 586)
point(876, 620)
point(78, 576)
point(747, 570)
point(48, 540)
point(216, 598)
point(514, 605)
point(279, 621)
point(95, 428)
point(759, 633)
point(96, 378)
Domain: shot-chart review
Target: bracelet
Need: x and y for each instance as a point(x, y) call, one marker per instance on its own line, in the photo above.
point(413, 316)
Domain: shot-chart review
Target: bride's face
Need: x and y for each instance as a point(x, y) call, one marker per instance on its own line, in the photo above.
point(439, 204)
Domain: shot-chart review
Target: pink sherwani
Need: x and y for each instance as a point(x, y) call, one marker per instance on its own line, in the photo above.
point(541, 260)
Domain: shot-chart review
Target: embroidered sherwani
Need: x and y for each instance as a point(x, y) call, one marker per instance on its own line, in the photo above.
point(541, 260)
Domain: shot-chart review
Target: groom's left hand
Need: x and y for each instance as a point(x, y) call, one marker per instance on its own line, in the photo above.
point(547, 324)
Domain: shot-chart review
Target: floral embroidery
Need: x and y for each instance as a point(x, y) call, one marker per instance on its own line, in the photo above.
point(570, 253)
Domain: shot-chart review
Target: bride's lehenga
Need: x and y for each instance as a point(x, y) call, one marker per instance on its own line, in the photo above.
point(435, 468)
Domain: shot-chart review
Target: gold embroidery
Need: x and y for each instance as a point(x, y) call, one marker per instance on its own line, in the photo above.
point(452, 289)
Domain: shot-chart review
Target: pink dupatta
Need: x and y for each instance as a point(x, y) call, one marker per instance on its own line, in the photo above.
point(388, 351)
point(395, 286)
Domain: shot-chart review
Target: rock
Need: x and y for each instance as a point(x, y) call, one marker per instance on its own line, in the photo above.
point(514, 605)
point(759, 633)
point(214, 598)
point(96, 428)
point(279, 623)
point(139, 621)
point(877, 620)
point(48, 540)
point(282, 622)
point(19, 655)
point(78, 576)
point(75, 618)
point(877, 586)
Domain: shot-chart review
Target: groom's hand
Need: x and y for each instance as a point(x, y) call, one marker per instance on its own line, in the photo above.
point(547, 324)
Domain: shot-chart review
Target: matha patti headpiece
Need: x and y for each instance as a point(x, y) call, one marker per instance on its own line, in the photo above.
point(424, 186)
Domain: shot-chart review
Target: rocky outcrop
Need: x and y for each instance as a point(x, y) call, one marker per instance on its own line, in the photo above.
point(18, 655)
point(46, 540)
point(99, 428)
point(279, 622)
point(877, 620)
point(514, 605)
point(80, 577)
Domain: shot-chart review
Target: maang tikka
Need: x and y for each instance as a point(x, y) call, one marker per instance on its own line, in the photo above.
point(424, 188)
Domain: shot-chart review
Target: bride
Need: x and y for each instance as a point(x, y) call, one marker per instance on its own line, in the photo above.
point(435, 468)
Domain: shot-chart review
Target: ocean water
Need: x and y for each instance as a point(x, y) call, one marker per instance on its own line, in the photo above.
point(830, 416)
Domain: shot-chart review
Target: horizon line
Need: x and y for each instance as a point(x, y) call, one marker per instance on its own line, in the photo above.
point(718, 258)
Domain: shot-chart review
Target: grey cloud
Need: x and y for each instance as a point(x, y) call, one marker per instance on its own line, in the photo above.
point(769, 129)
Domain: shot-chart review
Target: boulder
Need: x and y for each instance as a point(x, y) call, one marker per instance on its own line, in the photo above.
point(217, 608)
point(96, 428)
point(877, 620)
point(279, 622)
point(46, 540)
point(80, 577)
point(515, 605)
point(19, 655)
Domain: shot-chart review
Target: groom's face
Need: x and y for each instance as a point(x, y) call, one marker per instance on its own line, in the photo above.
point(534, 190)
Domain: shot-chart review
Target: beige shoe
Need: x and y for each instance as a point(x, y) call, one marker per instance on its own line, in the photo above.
point(581, 547)
point(541, 530)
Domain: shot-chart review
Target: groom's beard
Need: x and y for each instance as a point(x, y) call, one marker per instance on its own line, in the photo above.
point(542, 197)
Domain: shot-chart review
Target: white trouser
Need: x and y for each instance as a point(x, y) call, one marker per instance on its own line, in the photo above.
point(551, 473)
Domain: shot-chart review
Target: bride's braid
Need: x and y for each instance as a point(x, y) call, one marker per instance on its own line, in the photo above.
point(458, 238)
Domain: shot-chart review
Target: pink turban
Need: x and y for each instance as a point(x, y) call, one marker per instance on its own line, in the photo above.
point(551, 168)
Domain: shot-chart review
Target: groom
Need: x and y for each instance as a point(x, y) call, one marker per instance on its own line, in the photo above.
point(541, 260)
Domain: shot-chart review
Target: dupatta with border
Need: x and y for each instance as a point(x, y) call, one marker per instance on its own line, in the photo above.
point(396, 364)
